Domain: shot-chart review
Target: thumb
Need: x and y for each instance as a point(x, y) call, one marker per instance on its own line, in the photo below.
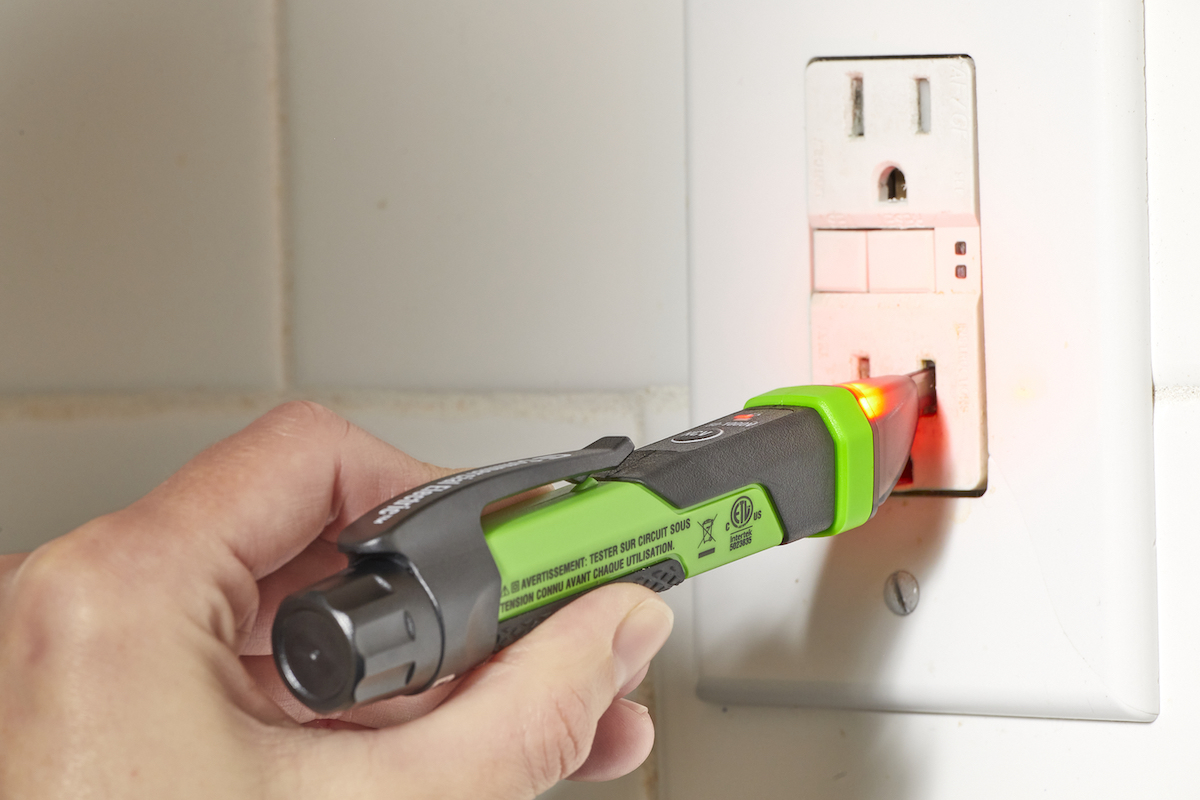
point(528, 718)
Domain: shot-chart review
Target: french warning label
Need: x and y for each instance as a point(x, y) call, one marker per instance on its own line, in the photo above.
point(684, 538)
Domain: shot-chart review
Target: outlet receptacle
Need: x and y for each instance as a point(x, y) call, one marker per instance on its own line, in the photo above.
point(894, 214)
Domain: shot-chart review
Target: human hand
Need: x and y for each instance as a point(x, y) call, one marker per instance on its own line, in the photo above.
point(134, 651)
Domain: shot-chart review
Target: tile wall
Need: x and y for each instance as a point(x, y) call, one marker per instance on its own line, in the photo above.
point(460, 224)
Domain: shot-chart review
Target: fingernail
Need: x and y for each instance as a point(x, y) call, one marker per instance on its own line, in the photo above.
point(638, 707)
point(640, 636)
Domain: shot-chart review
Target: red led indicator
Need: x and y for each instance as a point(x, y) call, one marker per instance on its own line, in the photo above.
point(745, 416)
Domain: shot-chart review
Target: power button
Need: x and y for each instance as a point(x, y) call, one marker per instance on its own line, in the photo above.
point(697, 435)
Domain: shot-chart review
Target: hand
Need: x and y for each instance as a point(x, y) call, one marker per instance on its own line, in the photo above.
point(134, 651)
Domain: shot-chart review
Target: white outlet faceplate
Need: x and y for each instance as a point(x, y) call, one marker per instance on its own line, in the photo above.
point(1037, 598)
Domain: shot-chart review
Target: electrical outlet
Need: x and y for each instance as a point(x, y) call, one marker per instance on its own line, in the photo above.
point(894, 212)
point(1036, 598)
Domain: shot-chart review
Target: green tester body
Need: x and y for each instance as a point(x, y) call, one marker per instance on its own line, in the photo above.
point(433, 589)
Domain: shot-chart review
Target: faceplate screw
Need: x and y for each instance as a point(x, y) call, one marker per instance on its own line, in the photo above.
point(901, 593)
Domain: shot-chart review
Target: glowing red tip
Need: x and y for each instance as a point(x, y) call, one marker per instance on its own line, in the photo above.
point(872, 399)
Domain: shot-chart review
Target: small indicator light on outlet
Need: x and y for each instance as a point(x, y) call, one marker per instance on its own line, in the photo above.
point(960, 271)
point(960, 248)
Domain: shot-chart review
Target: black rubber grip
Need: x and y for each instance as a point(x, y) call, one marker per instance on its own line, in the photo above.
point(659, 577)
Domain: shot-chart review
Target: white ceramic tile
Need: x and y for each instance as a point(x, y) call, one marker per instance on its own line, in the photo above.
point(1173, 129)
point(470, 432)
point(666, 411)
point(487, 196)
point(138, 213)
point(60, 470)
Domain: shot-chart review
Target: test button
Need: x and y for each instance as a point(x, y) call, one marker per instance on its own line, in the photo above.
point(697, 435)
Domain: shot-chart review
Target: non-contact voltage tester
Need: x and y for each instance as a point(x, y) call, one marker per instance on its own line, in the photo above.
point(433, 589)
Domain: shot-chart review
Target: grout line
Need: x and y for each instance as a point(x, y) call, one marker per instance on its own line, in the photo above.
point(552, 406)
point(1169, 394)
point(641, 426)
point(688, 212)
point(283, 240)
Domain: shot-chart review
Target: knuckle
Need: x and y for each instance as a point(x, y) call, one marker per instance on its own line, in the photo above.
point(299, 417)
point(62, 590)
point(559, 737)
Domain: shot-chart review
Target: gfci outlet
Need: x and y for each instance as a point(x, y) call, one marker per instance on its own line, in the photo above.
point(854, 210)
point(894, 211)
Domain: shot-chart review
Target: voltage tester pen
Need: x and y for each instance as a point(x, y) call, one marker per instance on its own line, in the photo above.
point(433, 590)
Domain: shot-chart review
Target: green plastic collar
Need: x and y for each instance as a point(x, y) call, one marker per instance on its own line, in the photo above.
point(852, 440)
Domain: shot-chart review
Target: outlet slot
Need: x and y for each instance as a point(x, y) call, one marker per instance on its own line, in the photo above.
point(892, 185)
point(924, 106)
point(856, 105)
